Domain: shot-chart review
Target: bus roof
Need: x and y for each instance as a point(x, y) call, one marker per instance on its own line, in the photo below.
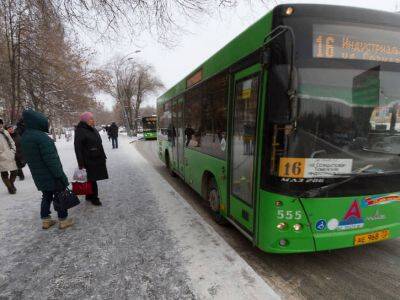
point(252, 38)
point(245, 43)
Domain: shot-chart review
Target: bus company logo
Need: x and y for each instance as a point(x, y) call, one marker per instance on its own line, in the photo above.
point(379, 200)
point(352, 219)
point(377, 216)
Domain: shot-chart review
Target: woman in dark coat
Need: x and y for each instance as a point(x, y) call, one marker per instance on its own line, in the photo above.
point(47, 172)
point(90, 153)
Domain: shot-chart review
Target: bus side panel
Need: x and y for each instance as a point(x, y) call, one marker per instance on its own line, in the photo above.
point(197, 164)
point(290, 212)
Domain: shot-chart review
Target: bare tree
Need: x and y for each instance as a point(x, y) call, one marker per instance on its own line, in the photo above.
point(146, 84)
point(43, 68)
point(130, 83)
point(147, 110)
point(156, 16)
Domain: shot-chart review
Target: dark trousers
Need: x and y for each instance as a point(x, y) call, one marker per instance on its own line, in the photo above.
point(47, 198)
point(95, 195)
point(114, 141)
point(21, 174)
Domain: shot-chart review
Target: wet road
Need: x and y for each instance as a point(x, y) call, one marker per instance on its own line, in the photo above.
point(368, 272)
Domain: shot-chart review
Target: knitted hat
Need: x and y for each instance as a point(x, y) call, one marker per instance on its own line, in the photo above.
point(86, 116)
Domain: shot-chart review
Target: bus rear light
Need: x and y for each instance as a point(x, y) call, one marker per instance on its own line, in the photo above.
point(297, 227)
point(281, 226)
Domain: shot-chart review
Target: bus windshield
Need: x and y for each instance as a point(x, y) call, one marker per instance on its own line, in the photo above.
point(348, 118)
point(149, 124)
point(348, 115)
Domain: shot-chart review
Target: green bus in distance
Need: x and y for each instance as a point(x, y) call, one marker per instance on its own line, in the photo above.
point(149, 125)
point(291, 131)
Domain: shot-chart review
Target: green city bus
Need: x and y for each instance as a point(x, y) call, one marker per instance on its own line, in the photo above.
point(149, 125)
point(291, 131)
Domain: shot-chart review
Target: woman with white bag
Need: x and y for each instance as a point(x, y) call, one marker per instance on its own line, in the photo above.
point(90, 154)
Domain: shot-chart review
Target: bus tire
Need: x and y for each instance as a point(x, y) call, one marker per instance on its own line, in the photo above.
point(213, 199)
point(168, 165)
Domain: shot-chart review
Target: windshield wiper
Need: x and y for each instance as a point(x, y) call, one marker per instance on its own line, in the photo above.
point(315, 192)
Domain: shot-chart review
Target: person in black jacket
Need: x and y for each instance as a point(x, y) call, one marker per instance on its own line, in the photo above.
point(19, 158)
point(90, 154)
point(114, 135)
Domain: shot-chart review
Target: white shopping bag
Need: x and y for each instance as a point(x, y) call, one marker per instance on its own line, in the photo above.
point(80, 175)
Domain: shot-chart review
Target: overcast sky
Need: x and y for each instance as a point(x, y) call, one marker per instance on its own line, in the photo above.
point(202, 40)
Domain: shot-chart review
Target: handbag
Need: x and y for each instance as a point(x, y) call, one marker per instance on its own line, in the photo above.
point(80, 175)
point(82, 188)
point(65, 200)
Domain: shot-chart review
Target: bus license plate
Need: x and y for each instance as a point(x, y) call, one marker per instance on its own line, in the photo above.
point(371, 237)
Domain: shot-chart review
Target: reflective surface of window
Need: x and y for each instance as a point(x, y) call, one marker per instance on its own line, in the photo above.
point(205, 116)
point(244, 138)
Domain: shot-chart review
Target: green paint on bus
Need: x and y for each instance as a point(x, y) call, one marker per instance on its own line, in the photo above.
point(298, 159)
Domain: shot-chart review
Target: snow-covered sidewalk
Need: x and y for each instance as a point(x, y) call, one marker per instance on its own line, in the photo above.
point(144, 242)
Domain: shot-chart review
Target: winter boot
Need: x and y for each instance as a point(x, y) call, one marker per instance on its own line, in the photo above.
point(10, 187)
point(13, 176)
point(96, 202)
point(65, 223)
point(47, 223)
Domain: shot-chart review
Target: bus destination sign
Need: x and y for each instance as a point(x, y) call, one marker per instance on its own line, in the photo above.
point(359, 43)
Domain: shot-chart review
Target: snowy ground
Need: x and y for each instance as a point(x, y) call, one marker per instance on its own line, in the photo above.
point(145, 242)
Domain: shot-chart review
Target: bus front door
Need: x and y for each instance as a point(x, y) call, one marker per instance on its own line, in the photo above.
point(243, 148)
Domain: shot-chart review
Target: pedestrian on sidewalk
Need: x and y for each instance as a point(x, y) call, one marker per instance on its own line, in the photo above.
point(114, 135)
point(108, 132)
point(8, 166)
point(90, 154)
point(19, 158)
point(41, 155)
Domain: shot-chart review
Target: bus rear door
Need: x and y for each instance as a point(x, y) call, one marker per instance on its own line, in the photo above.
point(178, 136)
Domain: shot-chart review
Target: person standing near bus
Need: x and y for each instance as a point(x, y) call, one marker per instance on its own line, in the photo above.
point(19, 158)
point(114, 135)
point(42, 157)
point(90, 154)
point(8, 167)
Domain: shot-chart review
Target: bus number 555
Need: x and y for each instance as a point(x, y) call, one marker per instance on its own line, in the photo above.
point(289, 214)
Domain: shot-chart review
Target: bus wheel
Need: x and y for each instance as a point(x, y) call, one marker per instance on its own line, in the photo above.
point(214, 201)
point(168, 165)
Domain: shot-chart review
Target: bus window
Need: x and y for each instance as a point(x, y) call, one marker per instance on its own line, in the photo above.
point(206, 116)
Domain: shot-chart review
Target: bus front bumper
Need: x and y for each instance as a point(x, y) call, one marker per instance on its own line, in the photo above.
point(359, 237)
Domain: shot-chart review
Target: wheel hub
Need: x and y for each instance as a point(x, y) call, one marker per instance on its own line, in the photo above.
point(214, 200)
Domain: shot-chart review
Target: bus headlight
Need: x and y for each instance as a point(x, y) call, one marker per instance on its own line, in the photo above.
point(297, 227)
point(283, 242)
point(281, 226)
